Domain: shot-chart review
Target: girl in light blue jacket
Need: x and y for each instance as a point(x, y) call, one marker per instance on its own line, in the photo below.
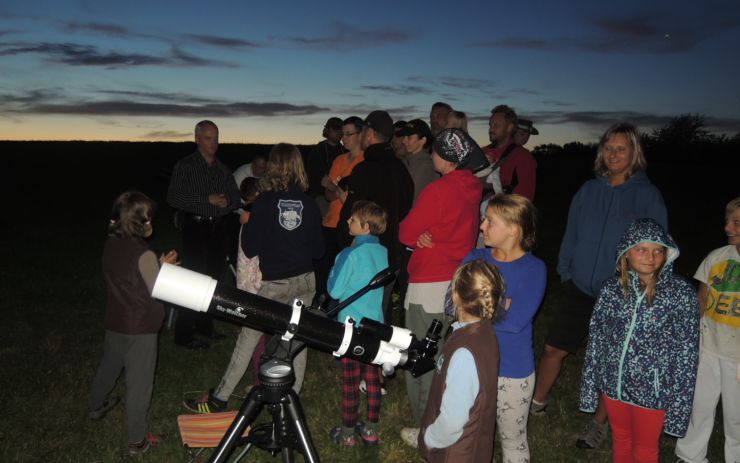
point(643, 345)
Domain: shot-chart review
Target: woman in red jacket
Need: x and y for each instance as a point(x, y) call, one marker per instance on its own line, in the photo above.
point(441, 228)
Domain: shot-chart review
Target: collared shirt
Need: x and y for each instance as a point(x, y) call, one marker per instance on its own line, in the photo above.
point(193, 180)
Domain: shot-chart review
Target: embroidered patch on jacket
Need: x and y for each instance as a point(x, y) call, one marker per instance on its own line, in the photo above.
point(291, 214)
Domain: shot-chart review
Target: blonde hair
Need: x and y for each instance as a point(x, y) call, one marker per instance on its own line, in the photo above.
point(131, 215)
point(479, 289)
point(623, 268)
point(457, 120)
point(638, 161)
point(732, 206)
point(368, 212)
point(284, 167)
point(517, 210)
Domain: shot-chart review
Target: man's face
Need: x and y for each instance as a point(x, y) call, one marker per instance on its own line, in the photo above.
point(258, 167)
point(368, 137)
point(499, 131)
point(351, 136)
point(333, 135)
point(397, 145)
point(207, 140)
point(521, 137)
point(413, 143)
point(438, 119)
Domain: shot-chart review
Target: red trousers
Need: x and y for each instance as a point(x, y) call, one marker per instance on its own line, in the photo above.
point(352, 372)
point(635, 431)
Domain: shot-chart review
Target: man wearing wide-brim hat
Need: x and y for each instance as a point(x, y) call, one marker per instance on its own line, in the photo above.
point(524, 128)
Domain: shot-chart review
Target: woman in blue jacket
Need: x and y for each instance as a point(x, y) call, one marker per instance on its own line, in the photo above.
point(643, 345)
point(599, 213)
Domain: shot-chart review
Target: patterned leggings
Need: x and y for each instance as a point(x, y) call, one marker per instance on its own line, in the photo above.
point(352, 372)
point(512, 412)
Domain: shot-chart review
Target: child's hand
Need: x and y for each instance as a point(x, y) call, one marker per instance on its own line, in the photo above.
point(244, 217)
point(425, 240)
point(169, 258)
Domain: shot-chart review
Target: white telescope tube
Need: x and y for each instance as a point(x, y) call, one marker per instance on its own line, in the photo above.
point(184, 287)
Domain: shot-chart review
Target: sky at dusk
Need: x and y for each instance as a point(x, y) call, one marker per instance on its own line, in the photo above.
point(276, 70)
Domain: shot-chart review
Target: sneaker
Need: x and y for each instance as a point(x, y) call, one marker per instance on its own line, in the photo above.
point(369, 434)
point(100, 412)
point(340, 437)
point(363, 388)
point(148, 443)
point(593, 435)
point(537, 409)
point(206, 404)
point(410, 436)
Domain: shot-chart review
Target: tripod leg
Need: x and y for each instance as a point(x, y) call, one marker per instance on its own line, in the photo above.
point(248, 411)
point(298, 421)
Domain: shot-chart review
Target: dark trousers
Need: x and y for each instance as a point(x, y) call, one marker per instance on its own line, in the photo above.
point(323, 266)
point(204, 250)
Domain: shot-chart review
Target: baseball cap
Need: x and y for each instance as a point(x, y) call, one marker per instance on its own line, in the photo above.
point(381, 122)
point(416, 127)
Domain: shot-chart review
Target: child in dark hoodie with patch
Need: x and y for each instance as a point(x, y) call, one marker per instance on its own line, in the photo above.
point(643, 345)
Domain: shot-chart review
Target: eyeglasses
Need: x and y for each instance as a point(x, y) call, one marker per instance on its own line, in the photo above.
point(349, 134)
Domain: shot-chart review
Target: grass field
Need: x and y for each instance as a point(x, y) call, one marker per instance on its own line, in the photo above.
point(52, 311)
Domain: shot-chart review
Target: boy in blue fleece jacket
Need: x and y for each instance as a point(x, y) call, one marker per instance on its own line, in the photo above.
point(353, 268)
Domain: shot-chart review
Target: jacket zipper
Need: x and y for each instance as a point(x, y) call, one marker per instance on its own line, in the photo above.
point(626, 344)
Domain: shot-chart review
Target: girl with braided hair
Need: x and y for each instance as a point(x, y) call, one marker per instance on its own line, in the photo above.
point(460, 417)
point(508, 228)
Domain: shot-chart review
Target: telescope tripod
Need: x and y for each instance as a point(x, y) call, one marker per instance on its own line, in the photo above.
point(288, 430)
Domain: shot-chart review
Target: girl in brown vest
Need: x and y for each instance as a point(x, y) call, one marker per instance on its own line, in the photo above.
point(132, 318)
point(460, 417)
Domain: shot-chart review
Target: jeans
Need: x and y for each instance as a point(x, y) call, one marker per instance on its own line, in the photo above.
point(300, 287)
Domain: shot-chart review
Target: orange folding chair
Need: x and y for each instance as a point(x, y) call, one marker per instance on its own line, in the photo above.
point(203, 431)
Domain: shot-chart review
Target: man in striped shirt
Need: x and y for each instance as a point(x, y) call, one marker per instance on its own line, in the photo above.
point(204, 190)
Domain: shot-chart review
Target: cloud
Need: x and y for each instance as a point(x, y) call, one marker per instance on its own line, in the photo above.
point(30, 96)
point(651, 33)
point(160, 96)
point(342, 36)
point(645, 121)
point(128, 108)
point(113, 30)
point(166, 135)
point(117, 30)
point(556, 103)
point(74, 54)
point(398, 89)
point(219, 41)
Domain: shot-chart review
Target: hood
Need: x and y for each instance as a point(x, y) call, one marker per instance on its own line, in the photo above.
point(465, 186)
point(648, 230)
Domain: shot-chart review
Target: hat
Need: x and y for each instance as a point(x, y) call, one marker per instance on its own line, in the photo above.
point(416, 127)
point(381, 122)
point(334, 123)
point(398, 125)
point(456, 146)
point(526, 124)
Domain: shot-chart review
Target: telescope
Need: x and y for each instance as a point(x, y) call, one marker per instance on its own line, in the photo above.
point(293, 327)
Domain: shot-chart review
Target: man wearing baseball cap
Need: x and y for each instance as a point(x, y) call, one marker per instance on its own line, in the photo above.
point(442, 227)
point(381, 178)
point(322, 155)
point(417, 139)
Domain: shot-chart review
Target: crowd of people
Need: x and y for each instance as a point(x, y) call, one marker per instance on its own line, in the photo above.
point(457, 224)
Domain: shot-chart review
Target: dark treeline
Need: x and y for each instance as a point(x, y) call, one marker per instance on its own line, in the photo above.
point(695, 170)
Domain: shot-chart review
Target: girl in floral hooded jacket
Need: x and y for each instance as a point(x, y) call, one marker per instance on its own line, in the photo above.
point(643, 345)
